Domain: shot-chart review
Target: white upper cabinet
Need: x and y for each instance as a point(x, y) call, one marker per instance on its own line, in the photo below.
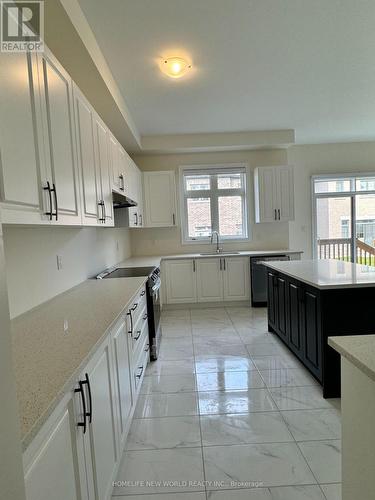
point(86, 158)
point(274, 194)
point(104, 184)
point(21, 160)
point(181, 281)
point(58, 122)
point(123, 171)
point(209, 280)
point(159, 198)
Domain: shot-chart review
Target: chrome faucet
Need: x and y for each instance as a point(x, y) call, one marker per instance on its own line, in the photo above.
point(218, 248)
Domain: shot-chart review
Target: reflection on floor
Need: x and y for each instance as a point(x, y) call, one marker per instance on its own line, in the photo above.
point(227, 413)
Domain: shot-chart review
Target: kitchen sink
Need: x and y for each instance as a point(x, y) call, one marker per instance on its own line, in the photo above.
point(219, 253)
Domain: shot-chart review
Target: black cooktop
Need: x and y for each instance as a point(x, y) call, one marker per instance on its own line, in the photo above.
point(130, 272)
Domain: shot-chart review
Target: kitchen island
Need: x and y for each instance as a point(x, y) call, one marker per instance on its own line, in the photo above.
point(311, 300)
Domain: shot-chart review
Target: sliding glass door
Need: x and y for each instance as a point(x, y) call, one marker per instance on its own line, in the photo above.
point(344, 218)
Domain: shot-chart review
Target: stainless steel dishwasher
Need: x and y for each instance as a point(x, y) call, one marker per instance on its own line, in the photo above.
point(259, 278)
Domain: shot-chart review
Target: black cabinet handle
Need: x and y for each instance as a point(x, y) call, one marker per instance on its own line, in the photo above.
point(101, 204)
point(81, 390)
point(140, 220)
point(56, 214)
point(278, 211)
point(143, 293)
point(87, 382)
point(48, 188)
point(136, 219)
point(139, 334)
point(145, 317)
point(147, 348)
point(131, 322)
point(139, 375)
point(275, 214)
point(174, 219)
point(134, 306)
point(225, 265)
point(122, 186)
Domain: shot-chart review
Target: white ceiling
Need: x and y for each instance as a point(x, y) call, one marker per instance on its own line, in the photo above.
point(307, 65)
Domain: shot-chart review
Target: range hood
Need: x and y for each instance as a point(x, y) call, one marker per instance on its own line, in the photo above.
point(122, 201)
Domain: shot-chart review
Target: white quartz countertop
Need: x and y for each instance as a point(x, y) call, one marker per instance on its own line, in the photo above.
point(49, 359)
point(358, 349)
point(327, 274)
point(154, 260)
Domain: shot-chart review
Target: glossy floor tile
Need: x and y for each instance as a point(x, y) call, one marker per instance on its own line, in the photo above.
point(160, 471)
point(168, 432)
point(268, 427)
point(300, 398)
point(312, 492)
point(332, 491)
point(285, 377)
point(228, 413)
point(313, 425)
point(273, 464)
point(168, 384)
point(229, 381)
point(166, 405)
point(324, 459)
point(235, 402)
point(223, 363)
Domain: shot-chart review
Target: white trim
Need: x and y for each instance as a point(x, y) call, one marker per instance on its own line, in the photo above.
point(215, 168)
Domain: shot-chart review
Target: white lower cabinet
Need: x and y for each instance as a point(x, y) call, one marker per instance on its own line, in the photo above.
point(53, 465)
point(181, 285)
point(209, 280)
point(76, 454)
point(213, 279)
point(236, 278)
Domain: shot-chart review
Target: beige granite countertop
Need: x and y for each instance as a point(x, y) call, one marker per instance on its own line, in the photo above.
point(47, 359)
point(358, 349)
point(327, 274)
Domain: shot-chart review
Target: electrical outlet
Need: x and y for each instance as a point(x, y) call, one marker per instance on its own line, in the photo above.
point(59, 262)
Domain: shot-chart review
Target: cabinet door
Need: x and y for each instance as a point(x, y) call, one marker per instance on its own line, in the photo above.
point(312, 354)
point(86, 158)
point(102, 430)
point(21, 154)
point(54, 471)
point(136, 213)
point(124, 168)
point(271, 304)
point(181, 283)
point(281, 305)
point(160, 199)
point(236, 278)
point(122, 372)
point(103, 171)
point(57, 109)
point(209, 279)
point(284, 193)
point(265, 202)
point(295, 318)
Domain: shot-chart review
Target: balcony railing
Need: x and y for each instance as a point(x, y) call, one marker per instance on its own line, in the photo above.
point(340, 249)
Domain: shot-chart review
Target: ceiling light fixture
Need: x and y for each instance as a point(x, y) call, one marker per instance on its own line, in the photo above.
point(175, 67)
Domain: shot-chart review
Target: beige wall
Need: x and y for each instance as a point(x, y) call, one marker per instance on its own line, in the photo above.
point(321, 159)
point(168, 240)
point(30, 255)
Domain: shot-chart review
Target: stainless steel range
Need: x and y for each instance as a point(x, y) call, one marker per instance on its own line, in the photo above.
point(153, 298)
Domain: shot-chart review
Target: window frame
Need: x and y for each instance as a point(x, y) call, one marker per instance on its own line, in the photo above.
point(352, 193)
point(211, 169)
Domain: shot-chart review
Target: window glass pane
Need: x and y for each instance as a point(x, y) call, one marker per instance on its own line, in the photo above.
point(365, 229)
point(197, 182)
point(229, 181)
point(230, 216)
point(365, 184)
point(332, 185)
point(199, 217)
point(333, 228)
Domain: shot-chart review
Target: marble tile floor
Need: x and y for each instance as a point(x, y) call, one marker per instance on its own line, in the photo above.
point(228, 413)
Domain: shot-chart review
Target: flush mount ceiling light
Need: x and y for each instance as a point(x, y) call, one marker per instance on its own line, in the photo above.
point(175, 67)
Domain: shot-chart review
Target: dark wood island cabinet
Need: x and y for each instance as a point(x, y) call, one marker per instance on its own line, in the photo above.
point(308, 302)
